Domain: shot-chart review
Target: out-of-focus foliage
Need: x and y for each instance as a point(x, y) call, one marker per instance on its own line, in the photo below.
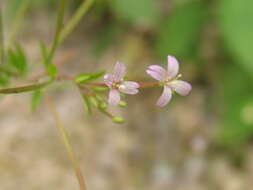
point(179, 33)
point(235, 19)
point(238, 107)
point(142, 11)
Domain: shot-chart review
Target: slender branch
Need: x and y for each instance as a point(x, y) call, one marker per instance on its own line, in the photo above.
point(19, 18)
point(82, 10)
point(59, 25)
point(67, 144)
point(26, 88)
point(1, 37)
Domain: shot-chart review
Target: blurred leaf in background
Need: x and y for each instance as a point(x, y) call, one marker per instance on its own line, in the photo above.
point(235, 19)
point(238, 108)
point(179, 33)
point(141, 11)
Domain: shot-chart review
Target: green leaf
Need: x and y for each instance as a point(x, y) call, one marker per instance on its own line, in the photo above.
point(43, 51)
point(49, 66)
point(87, 77)
point(99, 89)
point(17, 59)
point(180, 32)
point(51, 70)
point(22, 59)
point(4, 79)
point(235, 19)
point(136, 11)
point(36, 99)
point(87, 104)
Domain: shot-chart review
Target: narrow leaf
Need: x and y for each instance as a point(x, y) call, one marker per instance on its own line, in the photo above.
point(83, 78)
point(36, 99)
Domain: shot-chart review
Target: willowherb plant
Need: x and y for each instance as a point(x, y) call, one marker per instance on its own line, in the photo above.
point(13, 63)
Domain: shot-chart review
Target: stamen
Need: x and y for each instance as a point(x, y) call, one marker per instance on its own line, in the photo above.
point(178, 76)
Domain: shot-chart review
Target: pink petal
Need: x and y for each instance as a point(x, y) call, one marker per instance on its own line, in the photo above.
point(157, 72)
point(131, 84)
point(165, 97)
point(108, 79)
point(129, 87)
point(119, 71)
point(181, 87)
point(114, 97)
point(173, 67)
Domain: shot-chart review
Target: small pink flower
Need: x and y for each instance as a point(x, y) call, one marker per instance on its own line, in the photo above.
point(117, 84)
point(169, 80)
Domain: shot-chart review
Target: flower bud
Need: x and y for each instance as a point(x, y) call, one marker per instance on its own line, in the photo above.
point(118, 120)
point(122, 104)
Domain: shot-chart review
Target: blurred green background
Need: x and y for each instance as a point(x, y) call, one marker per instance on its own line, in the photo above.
point(199, 142)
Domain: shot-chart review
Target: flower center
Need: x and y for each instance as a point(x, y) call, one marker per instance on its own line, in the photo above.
point(117, 85)
point(169, 80)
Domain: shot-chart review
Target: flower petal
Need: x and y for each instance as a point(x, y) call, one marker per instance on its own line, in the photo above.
point(114, 97)
point(173, 67)
point(119, 71)
point(129, 87)
point(108, 79)
point(157, 72)
point(181, 87)
point(165, 97)
point(131, 84)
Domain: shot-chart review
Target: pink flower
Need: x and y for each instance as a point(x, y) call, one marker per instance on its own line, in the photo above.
point(169, 80)
point(117, 84)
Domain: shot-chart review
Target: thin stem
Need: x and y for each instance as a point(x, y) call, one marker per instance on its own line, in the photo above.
point(19, 18)
point(148, 84)
point(26, 88)
point(1, 37)
point(67, 144)
point(59, 25)
point(82, 10)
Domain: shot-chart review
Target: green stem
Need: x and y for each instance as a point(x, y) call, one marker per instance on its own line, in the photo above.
point(67, 144)
point(59, 25)
point(26, 88)
point(82, 10)
point(1, 37)
point(19, 18)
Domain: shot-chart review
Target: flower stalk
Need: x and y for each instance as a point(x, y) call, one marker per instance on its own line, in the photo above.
point(67, 144)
